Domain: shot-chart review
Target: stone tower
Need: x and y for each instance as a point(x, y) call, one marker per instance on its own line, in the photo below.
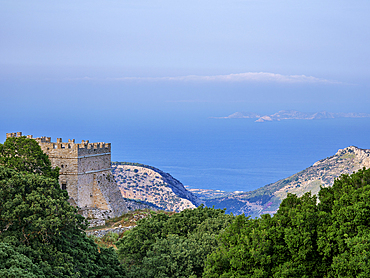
point(85, 172)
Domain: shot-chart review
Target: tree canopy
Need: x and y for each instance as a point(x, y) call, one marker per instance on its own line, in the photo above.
point(36, 221)
point(16, 265)
point(25, 155)
point(172, 246)
point(305, 238)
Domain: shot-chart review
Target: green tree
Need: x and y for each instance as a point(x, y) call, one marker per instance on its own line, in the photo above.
point(345, 231)
point(284, 245)
point(16, 265)
point(36, 218)
point(244, 250)
point(298, 220)
point(172, 246)
point(134, 244)
point(175, 256)
point(305, 238)
point(25, 155)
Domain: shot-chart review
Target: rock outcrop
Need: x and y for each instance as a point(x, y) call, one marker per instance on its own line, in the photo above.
point(151, 185)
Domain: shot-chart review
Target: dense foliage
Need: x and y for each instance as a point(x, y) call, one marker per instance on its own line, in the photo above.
point(41, 234)
point(172, 246)
point(16, 265)
point(25, 155)
point(305, 238)
point(38, 222)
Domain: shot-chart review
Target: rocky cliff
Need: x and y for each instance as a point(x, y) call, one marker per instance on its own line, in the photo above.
point(153, 186)
point(321, 174)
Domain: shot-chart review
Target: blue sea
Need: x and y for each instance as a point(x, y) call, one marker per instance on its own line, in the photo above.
point(236, 154)
point(203, 152)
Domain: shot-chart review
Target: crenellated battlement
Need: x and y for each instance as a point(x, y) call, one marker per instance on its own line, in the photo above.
point(42, 139)
point(94, 146)
point(84, 147)
point(15, 134)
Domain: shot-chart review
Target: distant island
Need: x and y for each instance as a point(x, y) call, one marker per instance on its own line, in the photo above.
point(292, 115)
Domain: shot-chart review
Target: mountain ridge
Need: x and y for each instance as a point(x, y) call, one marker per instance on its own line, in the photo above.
point(152, 186)
point(322, 173)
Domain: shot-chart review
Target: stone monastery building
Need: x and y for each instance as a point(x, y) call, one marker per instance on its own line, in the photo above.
point(85, 172)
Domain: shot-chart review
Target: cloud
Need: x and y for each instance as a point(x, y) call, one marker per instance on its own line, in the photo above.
point(189, 100)
point(86, 78)
point(236, 77)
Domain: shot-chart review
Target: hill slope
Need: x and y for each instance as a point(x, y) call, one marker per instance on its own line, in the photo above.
point(322, 173)
point(151, 185)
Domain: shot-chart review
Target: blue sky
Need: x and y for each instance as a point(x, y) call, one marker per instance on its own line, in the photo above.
point(165, 60)
point(325, 39)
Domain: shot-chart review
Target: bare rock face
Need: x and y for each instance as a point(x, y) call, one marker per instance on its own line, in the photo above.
point(151, 185)
point(321, 174)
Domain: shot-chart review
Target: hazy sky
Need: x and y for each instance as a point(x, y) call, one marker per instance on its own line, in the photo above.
point(168, 59)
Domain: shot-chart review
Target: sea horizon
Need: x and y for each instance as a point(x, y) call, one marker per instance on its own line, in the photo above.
point(239, 154)
point(220, 154)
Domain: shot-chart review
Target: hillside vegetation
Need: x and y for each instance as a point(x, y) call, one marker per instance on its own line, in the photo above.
point(309, 236)
point(172, 246)
point(328, 237)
